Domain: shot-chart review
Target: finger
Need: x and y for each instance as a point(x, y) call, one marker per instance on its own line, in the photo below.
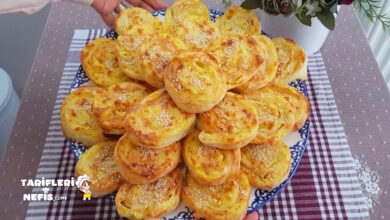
point(135, 3)
point(252, 216)
point(109, 19)
point(113, 4)
point(156, 4)
point(145, 5)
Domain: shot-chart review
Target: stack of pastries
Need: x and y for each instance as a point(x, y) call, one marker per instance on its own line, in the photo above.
point(186, 109)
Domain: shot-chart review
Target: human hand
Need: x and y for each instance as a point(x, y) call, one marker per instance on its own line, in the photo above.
point(105, 8)
point(253, 216)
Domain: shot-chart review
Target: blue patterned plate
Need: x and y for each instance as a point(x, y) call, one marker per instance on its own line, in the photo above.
point(296, 141)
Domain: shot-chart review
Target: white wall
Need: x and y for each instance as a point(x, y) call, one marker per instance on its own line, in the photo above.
point(19, 39)
point(379, 40)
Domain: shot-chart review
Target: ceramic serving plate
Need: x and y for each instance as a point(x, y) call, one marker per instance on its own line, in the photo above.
point(296, 141)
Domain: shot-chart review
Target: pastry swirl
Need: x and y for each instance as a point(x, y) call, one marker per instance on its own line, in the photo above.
point(150, 200)
point(130, 18)
point(237, 20)
point(266, 165)
point(77, 119)
point(197, 35)
point(240, 57)
point(155, 54)
point(267, 69)
point(139, 165)
point(156, 121)
point(209, 165)
point(100, 62)
point(231, 124)
point(292, 61)
point(188, 10)
point(228, 201)
point(98, 163)
point(296, 99)
point(111, 103)
point(192, 78)
point(127, 48)
point(275, 116)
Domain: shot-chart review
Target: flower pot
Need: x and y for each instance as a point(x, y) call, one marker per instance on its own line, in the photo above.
point(310, 38)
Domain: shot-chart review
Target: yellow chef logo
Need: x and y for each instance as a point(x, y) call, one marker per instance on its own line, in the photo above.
point(84, 184)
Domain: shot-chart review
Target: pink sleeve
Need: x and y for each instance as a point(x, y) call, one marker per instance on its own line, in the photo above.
point(29, 6)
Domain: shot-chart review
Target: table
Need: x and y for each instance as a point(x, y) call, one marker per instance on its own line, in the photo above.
point(361, 95)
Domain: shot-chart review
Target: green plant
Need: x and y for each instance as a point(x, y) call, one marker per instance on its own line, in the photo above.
point(324, 10)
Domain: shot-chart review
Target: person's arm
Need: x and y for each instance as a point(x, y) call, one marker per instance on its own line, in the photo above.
point(103, 7)
point(29, 6)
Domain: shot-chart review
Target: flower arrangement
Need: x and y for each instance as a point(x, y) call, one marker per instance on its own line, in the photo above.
point(324, 10)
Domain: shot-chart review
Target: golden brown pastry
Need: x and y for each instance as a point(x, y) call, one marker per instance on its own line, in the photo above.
point(168, 26)
point(154, 56)
point(188, 10)
point(237, 20)
point(275, 116)
point(150, 200)
point(266, 165)
point(195, 82)
point(100, 63)
point(157, 122)
point(77, 120)
point(139, 165)
point(127, 48)
point(228, 201)
point(196, 35)
point(98, 163)
point(296, 99)
point(231, 124)
point(209, 165)
point(111, 103)
point(292, 61)
point(240, 57)
point(267, 69)
point(130, 18)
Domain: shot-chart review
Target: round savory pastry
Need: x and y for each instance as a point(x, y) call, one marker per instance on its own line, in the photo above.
point(267, 70)
point(98, 163)
point(111, 103)
point(168, 26)
point(237, 20)
point(77, 119)
point(230, 124)
point(139, 165)
point(292, 61)
point(275, 116)
point(127, 48)
point(196, 35)
point(226, 201)
point(154, 56)
point(209, 165)
point(195, 82)
point(266, 165)
point(189, 10)
point(240, 57)
point(130, 18)
point(157, 122)
point(150, 200)
point(100, 62)
point(295, 98)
